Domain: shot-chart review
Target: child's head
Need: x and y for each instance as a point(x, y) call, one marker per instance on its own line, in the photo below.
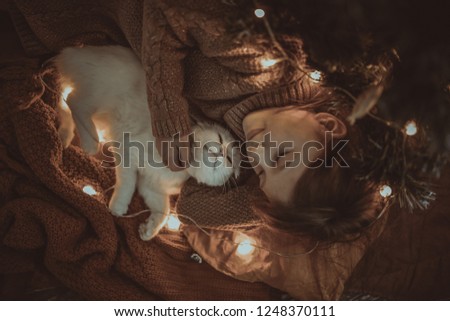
point(305, 170)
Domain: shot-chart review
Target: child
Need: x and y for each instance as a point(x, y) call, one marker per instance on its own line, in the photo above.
point(312, 185)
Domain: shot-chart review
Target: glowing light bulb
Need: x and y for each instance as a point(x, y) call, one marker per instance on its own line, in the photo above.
point(385, 191)
point(316, 75)
point(173, 223)
point(101, 135)
point(410, 128)
point(66, 92)
point(88, 189)
point(266, 63)
point(260, 13)
point(245, 247)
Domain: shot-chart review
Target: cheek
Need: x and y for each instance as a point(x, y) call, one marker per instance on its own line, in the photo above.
point(275, 194)
point(284, 128)
point(274, 189)
point(280, 186)
point(305, 136)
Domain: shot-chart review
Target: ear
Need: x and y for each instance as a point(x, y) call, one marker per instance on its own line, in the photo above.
point(332, 123)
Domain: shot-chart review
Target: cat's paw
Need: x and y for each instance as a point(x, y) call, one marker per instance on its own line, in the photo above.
point(118, 208)
point(152, 226)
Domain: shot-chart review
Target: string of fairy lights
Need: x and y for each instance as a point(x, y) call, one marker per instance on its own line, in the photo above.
point(245, 246)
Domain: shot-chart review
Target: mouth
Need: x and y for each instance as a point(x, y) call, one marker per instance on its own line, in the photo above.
point(253, 133)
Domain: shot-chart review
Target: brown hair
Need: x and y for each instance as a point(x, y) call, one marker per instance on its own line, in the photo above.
point(329, 202)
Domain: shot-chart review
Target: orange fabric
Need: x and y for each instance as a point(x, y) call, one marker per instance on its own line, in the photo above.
point(298, 266)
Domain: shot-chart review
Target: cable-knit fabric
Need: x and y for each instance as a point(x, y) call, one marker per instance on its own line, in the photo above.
point(191, 62)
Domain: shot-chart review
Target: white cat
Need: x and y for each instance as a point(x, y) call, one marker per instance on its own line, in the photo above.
point(109, 93)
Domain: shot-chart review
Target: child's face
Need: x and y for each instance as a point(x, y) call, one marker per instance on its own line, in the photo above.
point(285, 140)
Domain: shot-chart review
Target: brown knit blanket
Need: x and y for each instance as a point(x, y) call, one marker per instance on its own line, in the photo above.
point(47, 220)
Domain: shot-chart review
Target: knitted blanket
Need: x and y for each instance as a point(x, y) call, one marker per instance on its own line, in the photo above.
point(47, 220)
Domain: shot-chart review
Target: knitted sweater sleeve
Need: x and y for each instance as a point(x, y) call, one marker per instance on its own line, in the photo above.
point(212, 207)
point(162, 57)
